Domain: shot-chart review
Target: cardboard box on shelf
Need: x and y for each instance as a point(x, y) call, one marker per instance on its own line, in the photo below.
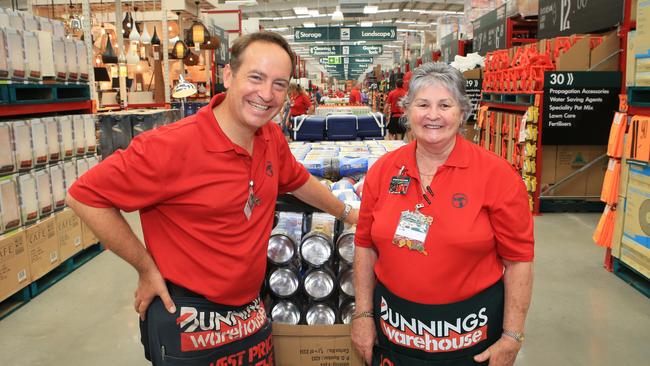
point(596, 173)
point(43, 246)
point(635, 244)
point(14, 263)
point(617, 236)
point(549, 158)
point(304, 345)
point(68, 227)
point(473, 74)
point(630, 61)
point(570, 158)
point(88, 238)
point(605, 56)
point(576, 58)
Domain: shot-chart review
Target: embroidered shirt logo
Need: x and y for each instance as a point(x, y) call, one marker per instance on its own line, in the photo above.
point(269, 169)
point(459, 200)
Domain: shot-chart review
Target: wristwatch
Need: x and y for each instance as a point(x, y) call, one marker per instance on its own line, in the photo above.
point(346, 212)
point(517, 336)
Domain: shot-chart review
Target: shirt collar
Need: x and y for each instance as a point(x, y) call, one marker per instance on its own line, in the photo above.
point(459, 157)
point(213, 137)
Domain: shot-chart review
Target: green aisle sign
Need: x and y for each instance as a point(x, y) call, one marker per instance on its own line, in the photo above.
point(336, 60)
point(346, 50)
point(345, 34)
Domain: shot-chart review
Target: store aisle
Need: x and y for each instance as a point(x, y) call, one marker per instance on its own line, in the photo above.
point(581, 314)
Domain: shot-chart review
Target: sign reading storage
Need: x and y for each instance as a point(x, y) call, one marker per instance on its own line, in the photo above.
point(345, 34)
point(579, 107)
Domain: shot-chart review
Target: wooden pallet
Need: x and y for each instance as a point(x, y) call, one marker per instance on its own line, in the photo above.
point(14, 302)
point(631, 277)
point(68, 266)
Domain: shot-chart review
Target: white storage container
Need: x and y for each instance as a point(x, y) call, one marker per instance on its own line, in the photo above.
point(22, 136)
point(92, 161)
point(9, 205)
point(30, 22)
point(39, 142)
point(28, 198)
point(15, 53)
point(4, 19)
point(58, 28)
point(82, 167)
point(46, 25)
point(15, 20)
point(58, 185)
point(44, 189)
point(78, 134)
point(60, 66)
point(69, 173)
point(82, 60)
point(7, 158)
point(71, 59)
point(52, 135)
point(66, 139)
point(32, 56)
point(5, 72)
point(47, 54)
point(90, 130)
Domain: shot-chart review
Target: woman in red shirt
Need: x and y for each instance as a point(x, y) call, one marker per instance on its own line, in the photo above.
point(299, 101)
point(444, 244)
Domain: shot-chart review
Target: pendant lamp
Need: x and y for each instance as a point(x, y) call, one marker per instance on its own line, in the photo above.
point(109, 56)
point(192, 59)
point(132, 57)
point(154, 39)
point(198, 32)
point(127, 24)
point(180, 50)
point(134, 36)
point(145, 37)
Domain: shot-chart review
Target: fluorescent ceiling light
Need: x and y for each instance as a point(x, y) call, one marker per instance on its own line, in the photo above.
point(314, 13)
point(309, 25)
point(241, 2)
point(370, 9)
point(366, 24)
point(422, 24)
point(300, 10)
point(405, 22)
point(279, 29)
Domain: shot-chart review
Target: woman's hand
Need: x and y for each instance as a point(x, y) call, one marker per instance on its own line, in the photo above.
point(502, 353)
point(363, 336)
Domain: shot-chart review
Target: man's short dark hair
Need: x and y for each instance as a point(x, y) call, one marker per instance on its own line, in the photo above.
point(399, 83)
point(243, 42)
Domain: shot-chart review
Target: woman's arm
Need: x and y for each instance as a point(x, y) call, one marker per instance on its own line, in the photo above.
point(363, 333)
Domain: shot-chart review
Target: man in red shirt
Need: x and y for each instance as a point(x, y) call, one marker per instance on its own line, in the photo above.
point(393, 109)
point(355, 95)
point(206, 188)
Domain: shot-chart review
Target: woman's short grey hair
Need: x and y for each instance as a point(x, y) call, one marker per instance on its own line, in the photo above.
point(439, 73)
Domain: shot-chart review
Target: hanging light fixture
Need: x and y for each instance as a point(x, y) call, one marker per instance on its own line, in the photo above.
point(109, 56)
point(132, 57)
point(134, 36)
point(144, 35)
point(198, 32)
point(180, 50)
point(337, 15)
point(192, 59)
point(127, 24)
point(155, 40)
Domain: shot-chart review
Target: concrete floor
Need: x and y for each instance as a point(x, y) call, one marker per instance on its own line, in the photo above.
point(580, 315)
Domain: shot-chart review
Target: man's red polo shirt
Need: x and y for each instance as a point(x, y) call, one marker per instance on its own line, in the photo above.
point(355, 96)
point(480, 216)
point(393, 99)
point(190, 183)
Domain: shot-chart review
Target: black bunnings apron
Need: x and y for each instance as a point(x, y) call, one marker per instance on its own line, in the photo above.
point(413, 334)
point(203, 333)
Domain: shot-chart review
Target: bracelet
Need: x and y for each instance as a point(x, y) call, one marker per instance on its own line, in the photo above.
point(346, 212)
point(517, 336)
point(363, 314)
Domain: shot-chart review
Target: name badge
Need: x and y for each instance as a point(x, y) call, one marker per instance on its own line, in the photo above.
point(412, 231)
point(399, 185)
